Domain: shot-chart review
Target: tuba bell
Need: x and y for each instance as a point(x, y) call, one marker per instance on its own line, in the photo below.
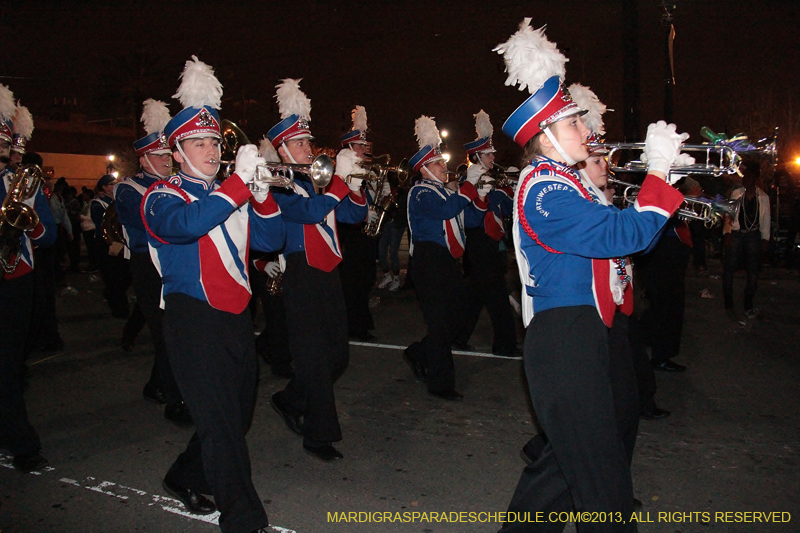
point(17, 216)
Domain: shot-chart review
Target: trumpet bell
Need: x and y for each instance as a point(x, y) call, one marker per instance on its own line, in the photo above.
point(321, 170)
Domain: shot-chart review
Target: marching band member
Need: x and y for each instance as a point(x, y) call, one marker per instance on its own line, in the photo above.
point(155, 158)
point(485, 262)
point(436, 225)
point(198, 232)
point(357, 269)
point(312, 290)
point(16, 305)
point(563, 244)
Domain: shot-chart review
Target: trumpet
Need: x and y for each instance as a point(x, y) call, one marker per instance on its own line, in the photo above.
point(17, 217)
point(378, 172)
point(708, 211)
point(720, 158)
point(279, 174)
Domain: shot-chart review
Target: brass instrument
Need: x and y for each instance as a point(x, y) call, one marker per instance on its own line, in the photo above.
point(719, 158)
point(111, 228)
point(274, 284)
point(384, 203)
point(17, 217)
point(710, 212)
point(278, 174)
point(376, 171)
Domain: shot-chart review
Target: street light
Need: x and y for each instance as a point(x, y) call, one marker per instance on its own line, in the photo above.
point(446, 157)
point(444, 134)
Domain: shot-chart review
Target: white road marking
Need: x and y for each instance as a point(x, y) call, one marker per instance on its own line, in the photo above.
point(115, 490)
point(457, 352)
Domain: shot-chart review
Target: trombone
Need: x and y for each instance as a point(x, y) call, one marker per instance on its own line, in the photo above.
point(278, 174)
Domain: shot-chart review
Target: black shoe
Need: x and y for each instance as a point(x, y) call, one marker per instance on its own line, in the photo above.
point(194, 502)
point(656, 413)
point(154, 394)
point(324, 452)
point(668, 366)
point(29, 462)
point(178, 414)
point(292, 421)
point(416, 367)
point(637, 504)
point(451, 395)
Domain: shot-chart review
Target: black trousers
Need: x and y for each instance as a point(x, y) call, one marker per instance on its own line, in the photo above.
point(215, 364)
point(485, 267)
point(663, 273)
point(645, 376)
point(273, 342)
point(441, 292)
point(747, 245)
point(16, 308)
point(116, 279)
point(147, 287)
point(357, 272)
point(584, 463)
point(44, 324)
point(317, 327)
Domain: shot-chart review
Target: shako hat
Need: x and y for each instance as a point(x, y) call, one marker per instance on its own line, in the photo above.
point(483, 127)
point(22, 128)
point(429, 140)
point(357, 135)
point(7, 110)
point(586, 99)
point(535, 63)
point(201, 95)
point(155, 116)
point(295, 109)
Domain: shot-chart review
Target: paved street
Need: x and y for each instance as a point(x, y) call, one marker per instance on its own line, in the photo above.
point(731, 444)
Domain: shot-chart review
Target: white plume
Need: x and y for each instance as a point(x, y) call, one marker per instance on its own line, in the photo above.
point(483, 126)
point(23, 122)
point(267, 151)
point(7, 106)
point(530, 58)
point(155, 116)
point(199, 87)
point(585, 98)
point(359, 116)
point(426, 132)
point(291, 100)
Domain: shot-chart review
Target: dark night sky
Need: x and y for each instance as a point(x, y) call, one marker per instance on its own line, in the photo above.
point(735, 62)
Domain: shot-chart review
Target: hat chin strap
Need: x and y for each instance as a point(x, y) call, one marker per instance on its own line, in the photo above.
point(291, 157)
point(558, 147)
point(191, 166)
point(153, 168)
point(425, 168)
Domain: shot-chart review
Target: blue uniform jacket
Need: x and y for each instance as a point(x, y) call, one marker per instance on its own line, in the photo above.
point(201, 247)
point(566, 222)
point(432, 207)
point(128, 196)
point(43, 235)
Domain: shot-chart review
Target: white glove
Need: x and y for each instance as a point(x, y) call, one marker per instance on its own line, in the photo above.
point(486, 188)
point(387, 189)
point(272, 269)
point(474, 173)
point(372, 216)
point(260, 195)
point(346, 161)
point(684, 160)
point(354, 184)
point(247, 159)
point(661, 146)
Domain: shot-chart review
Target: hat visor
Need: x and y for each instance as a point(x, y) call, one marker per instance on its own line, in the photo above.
point(298, 137)
point(162, 151)
point(200, 135)
point(558, 117)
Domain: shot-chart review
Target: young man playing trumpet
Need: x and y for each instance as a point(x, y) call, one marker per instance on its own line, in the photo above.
point(312, 290)
point(198, 233)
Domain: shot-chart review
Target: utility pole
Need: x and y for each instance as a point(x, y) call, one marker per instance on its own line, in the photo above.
point(631, 79)
point(669, 71)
